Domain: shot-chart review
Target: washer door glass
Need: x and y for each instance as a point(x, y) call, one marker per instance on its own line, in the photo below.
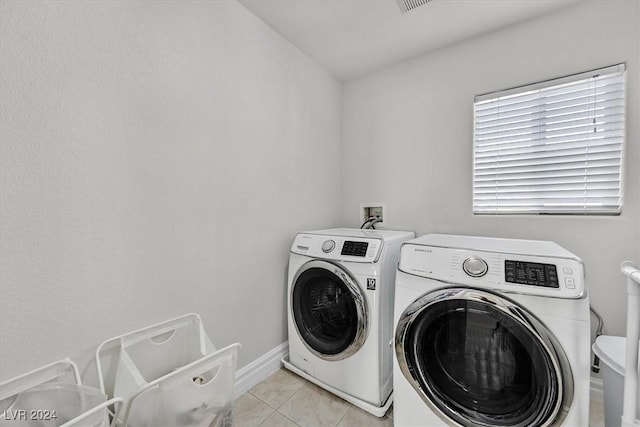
point(329, 310)
point(481, 363)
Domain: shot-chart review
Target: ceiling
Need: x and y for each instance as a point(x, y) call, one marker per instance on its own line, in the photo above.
point(350, 38)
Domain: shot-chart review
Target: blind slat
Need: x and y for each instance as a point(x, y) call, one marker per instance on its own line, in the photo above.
point(516, 147)
point(536, 126)
point(536, 98)
point(550, 158)
point(521, 185)
point(589, 136)
point(577, 173)
point(593, 100)
point(610, 165)
point(542, 134)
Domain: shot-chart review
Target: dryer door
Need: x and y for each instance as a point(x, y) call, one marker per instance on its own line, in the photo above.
point(480, 359)
point(329, 310)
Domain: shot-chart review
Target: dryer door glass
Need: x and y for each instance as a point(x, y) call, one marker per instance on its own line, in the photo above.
point(328, 311)
point(480, 365)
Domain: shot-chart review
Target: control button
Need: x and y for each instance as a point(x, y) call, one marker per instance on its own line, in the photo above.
point(567, 270)
point(569, 283)
point(328, 246)
point(475, 266)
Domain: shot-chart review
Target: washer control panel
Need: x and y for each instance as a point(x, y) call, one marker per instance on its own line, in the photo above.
point(517, 273)
point(353, 249)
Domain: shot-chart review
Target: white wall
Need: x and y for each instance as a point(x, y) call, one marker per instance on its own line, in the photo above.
point(408, 135)
point(157, 158)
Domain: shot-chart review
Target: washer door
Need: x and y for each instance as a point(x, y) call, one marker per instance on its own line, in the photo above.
point(329, 310)
point(479, 359)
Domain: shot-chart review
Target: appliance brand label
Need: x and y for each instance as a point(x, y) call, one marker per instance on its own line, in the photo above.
point(423, 250)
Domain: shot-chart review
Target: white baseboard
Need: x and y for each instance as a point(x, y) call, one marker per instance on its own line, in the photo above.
point(259, 369)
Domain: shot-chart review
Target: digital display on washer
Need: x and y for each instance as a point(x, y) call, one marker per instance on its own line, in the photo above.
point(354, 248)
point(531, 273)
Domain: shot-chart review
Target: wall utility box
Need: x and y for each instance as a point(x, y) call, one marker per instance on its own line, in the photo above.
point(374, 210)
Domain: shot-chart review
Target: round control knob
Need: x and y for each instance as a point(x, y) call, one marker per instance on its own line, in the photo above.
point(328, 246)
point(475, 266)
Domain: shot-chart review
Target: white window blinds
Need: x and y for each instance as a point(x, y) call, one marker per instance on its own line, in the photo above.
point(551, 147)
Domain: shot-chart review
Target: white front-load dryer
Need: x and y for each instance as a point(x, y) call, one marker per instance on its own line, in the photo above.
point(340, 309)
point(490, 332)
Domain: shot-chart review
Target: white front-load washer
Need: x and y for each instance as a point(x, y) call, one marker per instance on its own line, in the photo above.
point(490, 332)
point(340, 309)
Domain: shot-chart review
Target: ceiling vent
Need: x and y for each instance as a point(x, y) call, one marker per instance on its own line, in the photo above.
point(407, 5)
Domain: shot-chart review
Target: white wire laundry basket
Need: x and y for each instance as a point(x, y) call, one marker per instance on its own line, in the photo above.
point(53, 396)
point(169, 374)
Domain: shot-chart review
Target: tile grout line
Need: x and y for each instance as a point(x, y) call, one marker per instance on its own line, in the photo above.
point(283, 403)
point(296, 392)
point(268, 406)
point(305, 382)
point(262, 400)
point(275, 411)
point(280, 413)
point(349, 406)
point(343, 415)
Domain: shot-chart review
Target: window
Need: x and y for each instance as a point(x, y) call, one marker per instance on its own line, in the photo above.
point(553, 147)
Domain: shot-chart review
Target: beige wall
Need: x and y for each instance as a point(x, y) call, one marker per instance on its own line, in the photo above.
point(157, 159)
point(408, 134)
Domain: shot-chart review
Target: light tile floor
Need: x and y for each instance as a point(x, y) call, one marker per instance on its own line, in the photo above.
point(286, 400)
point(596, 410)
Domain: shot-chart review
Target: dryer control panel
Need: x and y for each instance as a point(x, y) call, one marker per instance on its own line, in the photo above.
point(530, 274)
point(338, 248)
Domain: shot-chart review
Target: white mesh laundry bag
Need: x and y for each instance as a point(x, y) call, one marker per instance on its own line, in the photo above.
point(152, 352)
point(52, 396)
point(197, 395)
point(52, 405)
point(169, 374)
